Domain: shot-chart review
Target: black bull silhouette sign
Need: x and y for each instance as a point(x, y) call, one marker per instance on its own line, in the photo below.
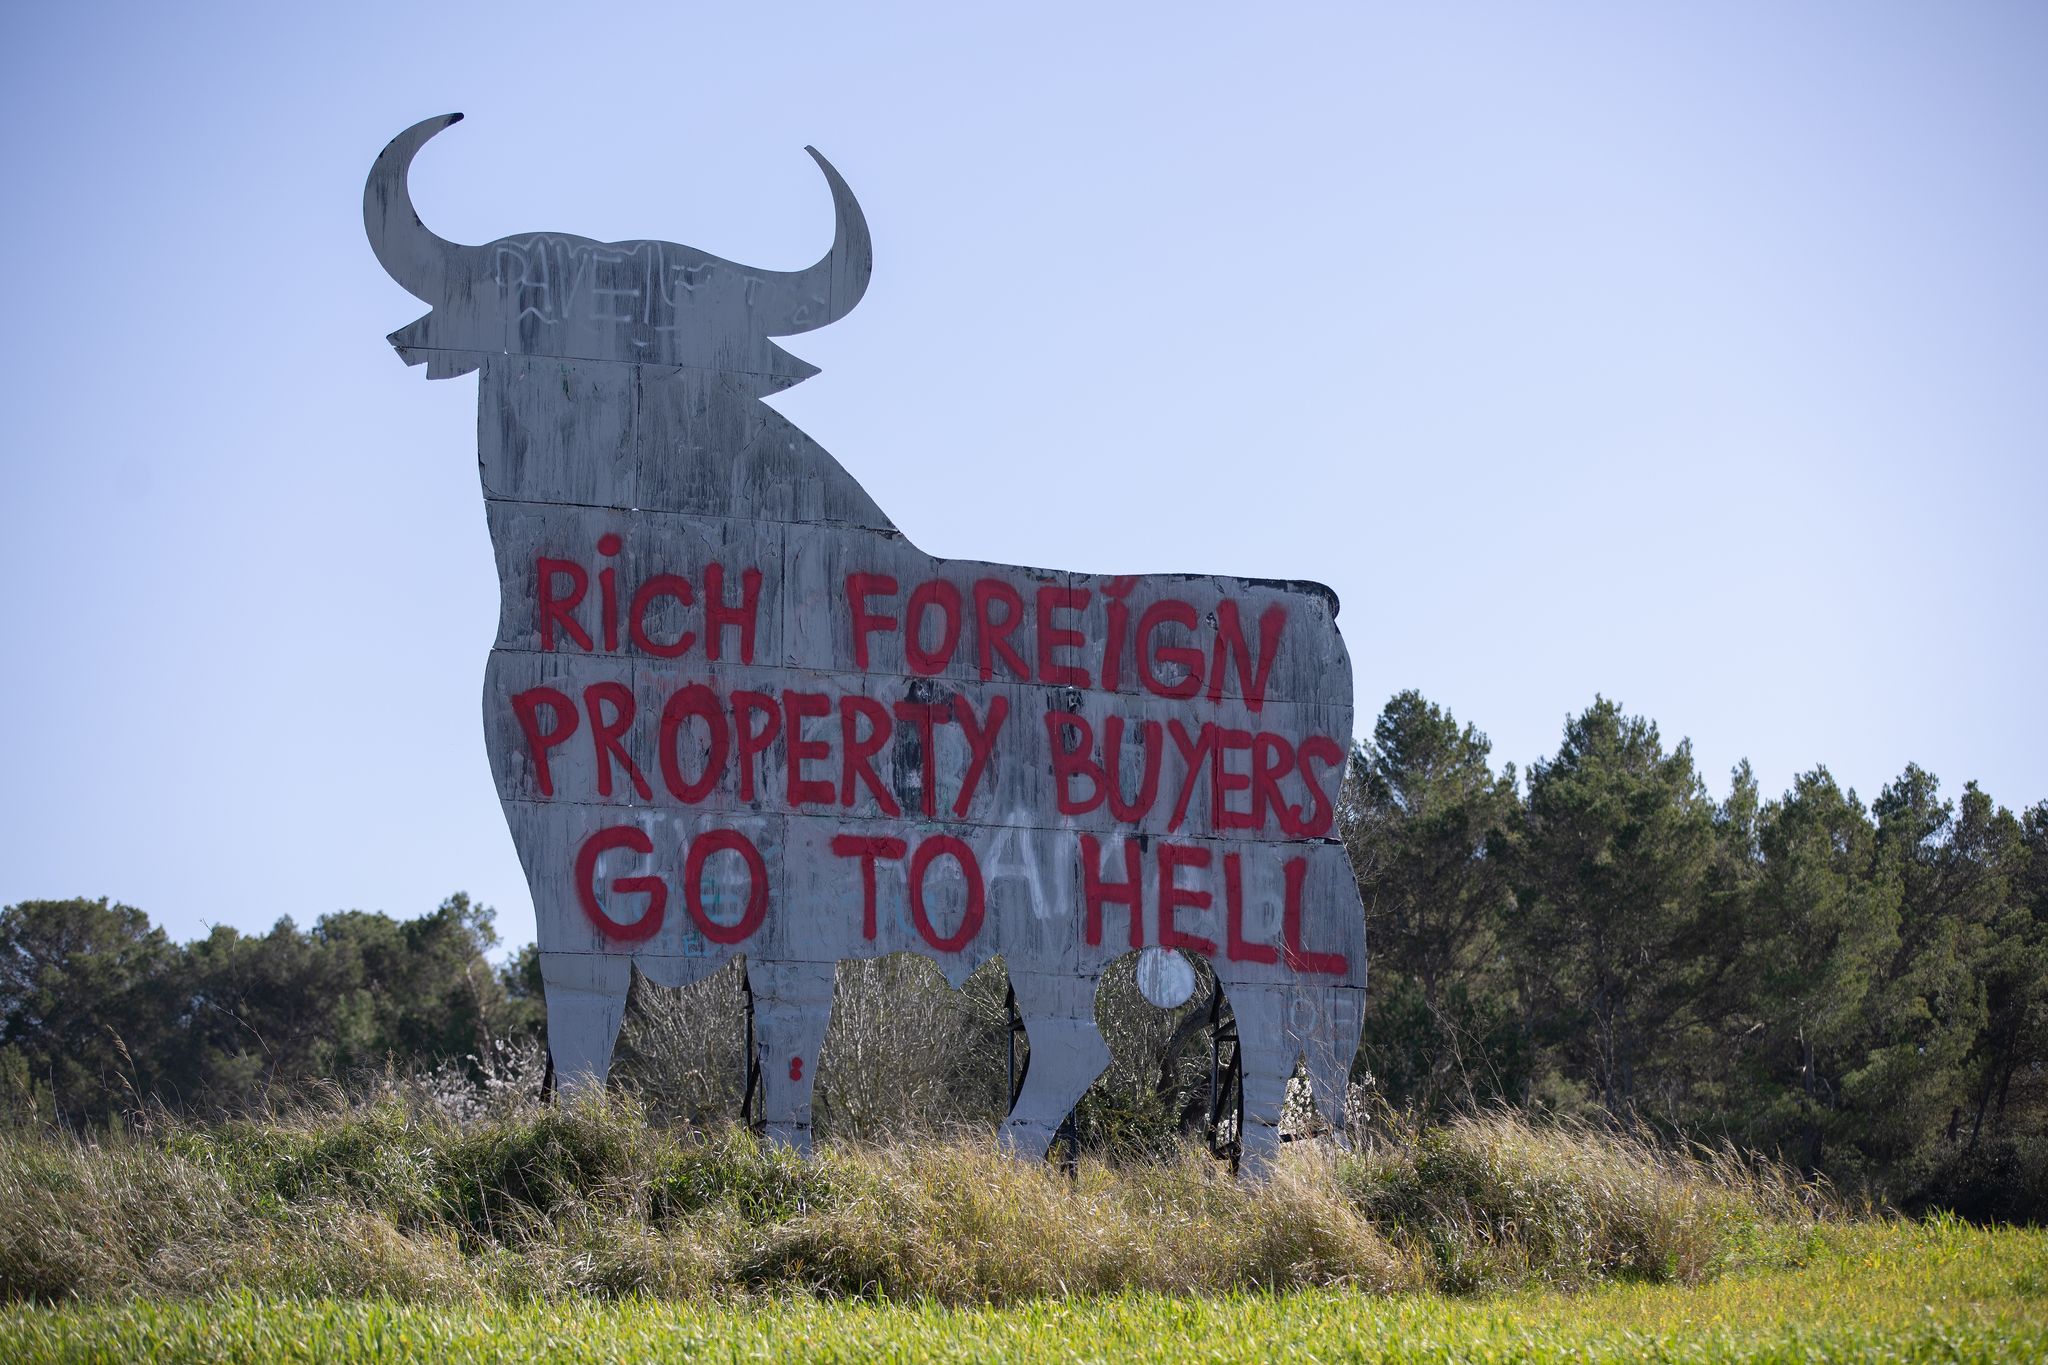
point(732, 710)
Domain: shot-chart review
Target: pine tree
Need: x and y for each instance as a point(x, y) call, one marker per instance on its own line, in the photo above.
point(1824, 929)
point(1429, 822)
point(1612, 874)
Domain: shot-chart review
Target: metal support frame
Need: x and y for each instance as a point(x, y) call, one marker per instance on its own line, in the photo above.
point(1226, 1083)
point(1015, 1073)
point(750, 1089)
point(1070, 1159)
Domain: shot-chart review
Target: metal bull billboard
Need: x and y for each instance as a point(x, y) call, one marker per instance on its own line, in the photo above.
point(731, 710)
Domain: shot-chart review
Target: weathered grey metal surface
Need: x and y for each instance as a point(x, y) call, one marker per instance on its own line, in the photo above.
point(730, 710)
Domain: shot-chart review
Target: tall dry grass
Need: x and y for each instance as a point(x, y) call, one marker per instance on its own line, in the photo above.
point(1496, 1200)
point(399, 1198)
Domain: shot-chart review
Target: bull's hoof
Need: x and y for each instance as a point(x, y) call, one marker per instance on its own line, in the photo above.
point(794, 1136)
point(1027, 1141)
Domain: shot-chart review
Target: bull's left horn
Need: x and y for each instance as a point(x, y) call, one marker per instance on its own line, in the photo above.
point(408, 251)
point(800, 300)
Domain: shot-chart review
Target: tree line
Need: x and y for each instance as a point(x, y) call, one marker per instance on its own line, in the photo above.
point(101, 1014)
point(1859, 990)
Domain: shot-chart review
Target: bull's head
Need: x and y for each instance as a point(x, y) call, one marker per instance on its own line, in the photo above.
point(651, 303)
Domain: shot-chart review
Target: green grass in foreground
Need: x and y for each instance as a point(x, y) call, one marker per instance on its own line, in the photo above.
point(1897, 1292)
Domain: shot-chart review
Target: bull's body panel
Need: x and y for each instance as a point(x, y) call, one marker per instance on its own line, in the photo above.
point(695, 715)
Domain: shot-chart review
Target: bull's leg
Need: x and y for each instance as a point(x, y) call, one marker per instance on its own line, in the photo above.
point(1066, 1056)
point(792, 1007)
point(586, 1001)
point(1330, 1021)
point(1268, 1055)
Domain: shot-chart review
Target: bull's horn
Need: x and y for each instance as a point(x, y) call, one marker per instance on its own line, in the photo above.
point(411, 254)
point(800, 300)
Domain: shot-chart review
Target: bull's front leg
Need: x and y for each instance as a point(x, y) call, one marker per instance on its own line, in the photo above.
point(1066, 1056)
point(586, 1002)
point(792, 1007)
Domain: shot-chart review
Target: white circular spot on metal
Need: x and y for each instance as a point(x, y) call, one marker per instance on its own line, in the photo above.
point(1165, 978)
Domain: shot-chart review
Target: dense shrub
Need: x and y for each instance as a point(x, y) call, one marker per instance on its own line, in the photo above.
point(398, 1198)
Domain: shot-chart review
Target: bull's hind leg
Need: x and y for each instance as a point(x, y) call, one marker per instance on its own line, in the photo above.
point(792, 1007)
point(1268, 1054)
point(1328, 1023)
point(1066, 1056)
point(1278, 1025)
point(586, 1001)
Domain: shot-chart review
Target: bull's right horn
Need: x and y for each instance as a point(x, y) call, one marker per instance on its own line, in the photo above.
point(800, 300)
point(409, 253)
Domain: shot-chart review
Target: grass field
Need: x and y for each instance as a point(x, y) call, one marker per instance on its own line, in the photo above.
point(1893, 1292)
point(389, 1230)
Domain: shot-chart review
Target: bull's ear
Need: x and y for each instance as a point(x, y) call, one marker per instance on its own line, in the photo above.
point(420, 261)
point(410, 340)
point(784, 369)
point(414, 343)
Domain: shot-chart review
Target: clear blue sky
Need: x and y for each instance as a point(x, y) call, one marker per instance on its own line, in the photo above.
point(1696, 355)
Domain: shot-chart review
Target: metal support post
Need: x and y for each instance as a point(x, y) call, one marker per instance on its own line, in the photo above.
point(750, 1090)
point(1226, 1083)
point(1017, 1072)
